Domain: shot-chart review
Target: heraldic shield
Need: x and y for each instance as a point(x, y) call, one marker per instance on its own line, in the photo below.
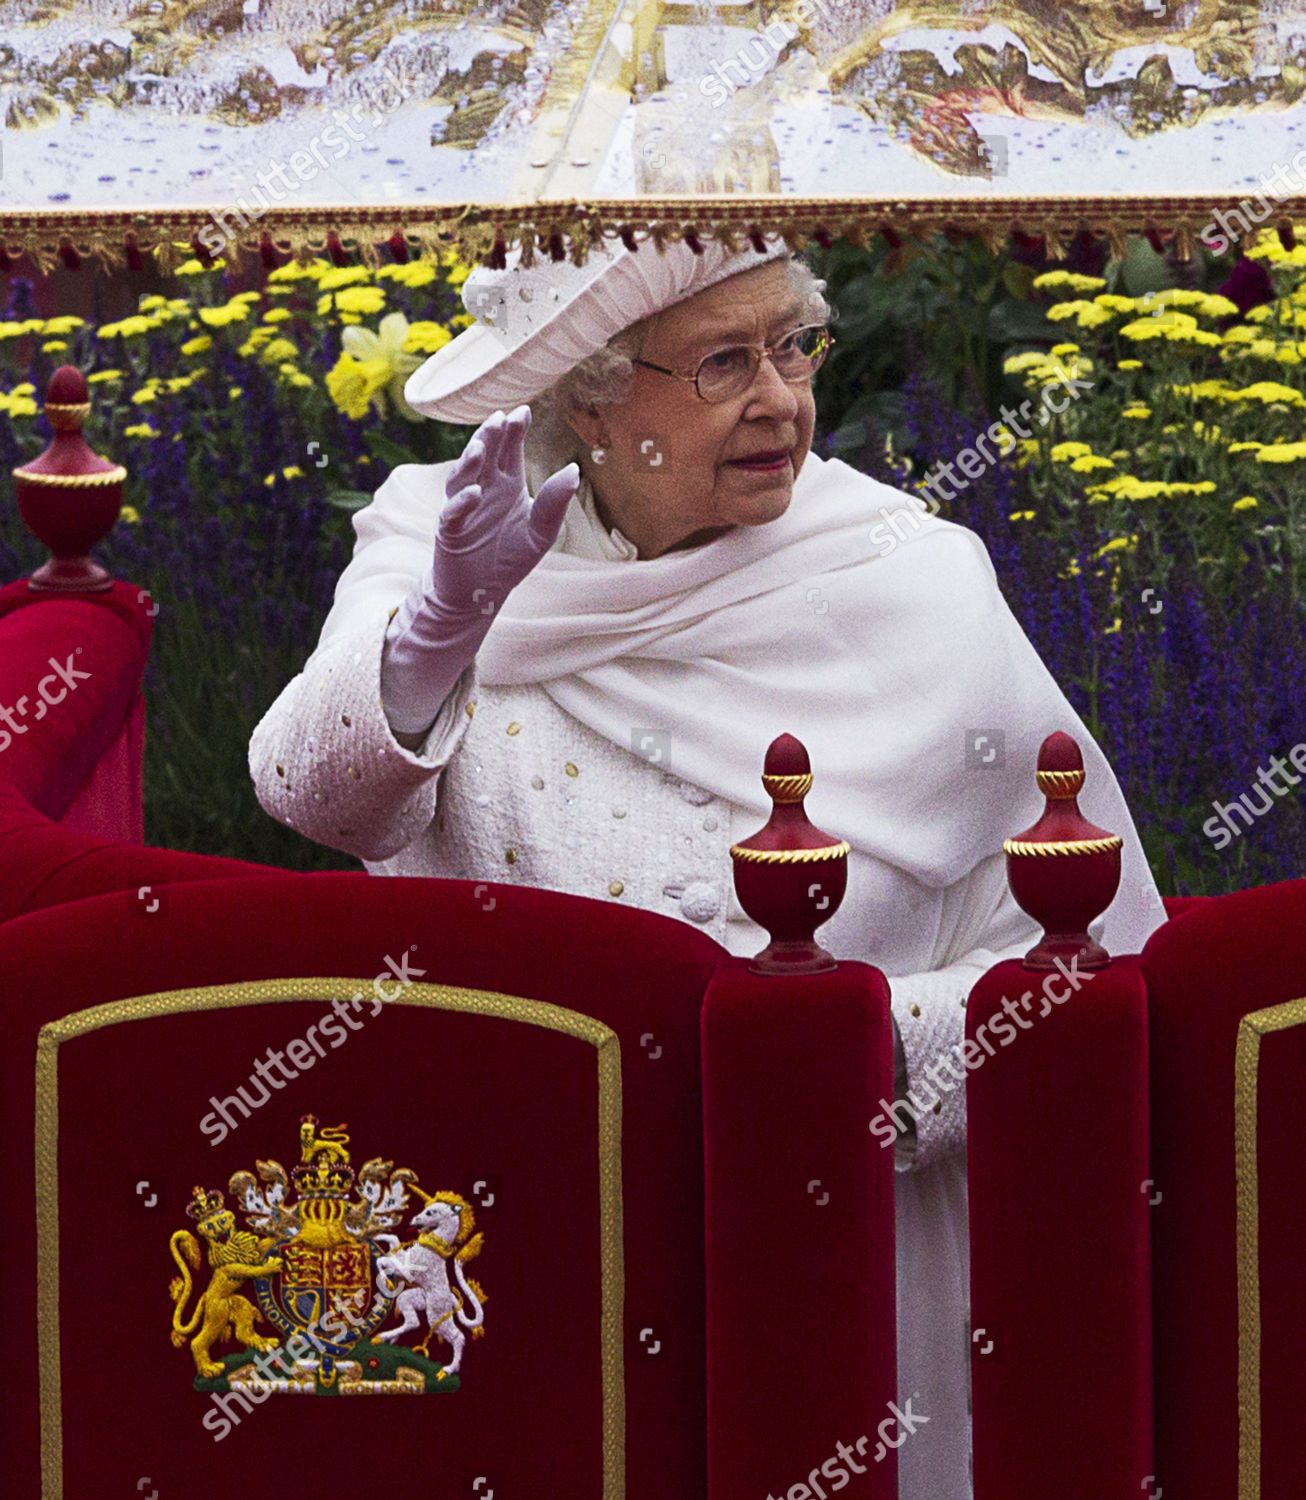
point(327, 1272)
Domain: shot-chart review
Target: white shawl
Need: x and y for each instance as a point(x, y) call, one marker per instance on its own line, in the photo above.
point(887, 658)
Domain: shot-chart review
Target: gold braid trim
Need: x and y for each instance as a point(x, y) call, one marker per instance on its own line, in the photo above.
point(1059, 784)
point(1247, 1055)
point(471, 228)
point(1062, 846)
point(790, 856)
point(73, 481)
point(788, 788)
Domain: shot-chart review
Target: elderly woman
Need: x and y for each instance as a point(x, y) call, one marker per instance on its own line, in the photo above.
point(559, 661)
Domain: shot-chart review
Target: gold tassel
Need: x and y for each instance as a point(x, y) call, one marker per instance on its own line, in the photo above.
point(1183, 241)
point(1116, 241)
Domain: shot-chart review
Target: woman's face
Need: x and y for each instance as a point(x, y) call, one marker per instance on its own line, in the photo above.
point(669, 476)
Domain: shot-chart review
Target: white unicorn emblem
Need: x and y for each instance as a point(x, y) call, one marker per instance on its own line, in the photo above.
point(446, 1227)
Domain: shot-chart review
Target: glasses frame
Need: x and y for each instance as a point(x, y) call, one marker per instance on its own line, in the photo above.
point(759, 352)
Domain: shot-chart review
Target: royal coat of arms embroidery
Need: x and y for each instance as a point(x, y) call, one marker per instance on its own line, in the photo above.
point(327, 1273)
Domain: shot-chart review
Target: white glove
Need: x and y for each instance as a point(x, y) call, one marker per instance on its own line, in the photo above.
point(489, 536)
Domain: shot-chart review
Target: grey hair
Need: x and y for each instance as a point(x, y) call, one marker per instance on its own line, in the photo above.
point(607, 376)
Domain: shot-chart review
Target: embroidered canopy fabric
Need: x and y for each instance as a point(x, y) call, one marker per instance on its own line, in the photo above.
point(144, 122)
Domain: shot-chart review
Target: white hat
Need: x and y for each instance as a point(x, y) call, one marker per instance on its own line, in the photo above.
point(534, 324)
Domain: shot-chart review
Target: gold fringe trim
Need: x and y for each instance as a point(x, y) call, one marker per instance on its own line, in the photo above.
point(1062, 846)
point(574, 226)
point(788, 788)
point(1059, 784)
point(790, 856)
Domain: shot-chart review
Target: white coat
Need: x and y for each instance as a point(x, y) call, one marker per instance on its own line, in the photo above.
point(509, 787)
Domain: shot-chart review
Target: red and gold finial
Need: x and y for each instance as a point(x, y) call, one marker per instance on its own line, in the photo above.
point(1064, 871)
point(69, 497)
point(790, 877)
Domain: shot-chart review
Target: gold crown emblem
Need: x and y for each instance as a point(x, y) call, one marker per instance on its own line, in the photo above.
point(203, 1202)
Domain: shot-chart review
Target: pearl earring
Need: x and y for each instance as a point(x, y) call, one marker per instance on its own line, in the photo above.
point(599, 455)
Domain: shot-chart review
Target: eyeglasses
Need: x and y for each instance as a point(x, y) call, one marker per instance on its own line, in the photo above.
point(728, 372)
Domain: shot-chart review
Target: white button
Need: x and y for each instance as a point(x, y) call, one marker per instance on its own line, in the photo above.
point(700, 901)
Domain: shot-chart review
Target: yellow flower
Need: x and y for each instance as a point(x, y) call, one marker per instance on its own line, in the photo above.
point(201, 344)
point(1214, 390)
point(426, 338)
point(277, 315)
point(462, 320)
point(15, 405)
point(128, 328)
point(65, 323)
point(1113, 303)
point(1112, 628)
point(1281, 453)
point(277, 352)
point(291, 471)
point(385, 347)
point(1268, 392)
point(353, 299)
point(1240, 334)
point(140, 430)
point(292, 376)
point(1245, 447)
point(150, 303)
point(130, 514)
point(455, 270)
point(338, 276)
point(235, 392)
point(1065, 349)
point(198, 268)
point(1129, 364)
point(1260, 314)
point(1213, 305)
point(352, 383)
point(1117, 544)
point(1248, 502)
point(1089, 462)
point(1071, 280)
point(1022, 515)
point(1014, 364)
point(1064, 452)
point(311, 270)
point(53, 346)
point(1207, 431)
point(1085, 314)
point(1137, 411)
point(222, 317)
point(145, 395)
point(247, 297)
point(413, 273)
point(102, 375)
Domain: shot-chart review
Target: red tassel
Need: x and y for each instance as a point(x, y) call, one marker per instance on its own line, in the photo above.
point(627, 235)
point(498, 260)
point(1286, 237)
point(1154, 239)
point(201, 251)
point(69, 255)
point(758, 240)
point(692, 240)
point(557, 250)
point(892, 236)
point(398, 247)
point(823, 238)
point(339, 255)
point(268, 253)
point(135, 260)
point(7, 261)
point(1027, 242)
point(953, 235)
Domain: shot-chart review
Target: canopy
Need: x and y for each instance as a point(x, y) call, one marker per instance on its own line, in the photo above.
point(240, 123)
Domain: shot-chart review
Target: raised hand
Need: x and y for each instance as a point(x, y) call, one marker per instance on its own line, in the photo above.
point(490, 533)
